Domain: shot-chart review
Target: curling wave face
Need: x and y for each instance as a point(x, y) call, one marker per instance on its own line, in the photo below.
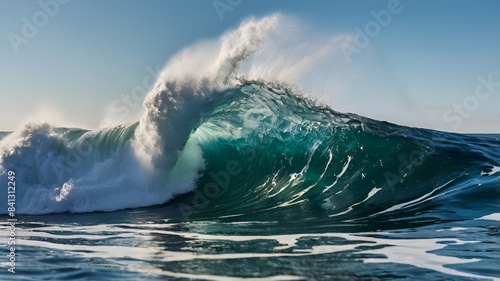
point(246, 148)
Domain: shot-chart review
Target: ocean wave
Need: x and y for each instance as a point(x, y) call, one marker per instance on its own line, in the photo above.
point(241, 147)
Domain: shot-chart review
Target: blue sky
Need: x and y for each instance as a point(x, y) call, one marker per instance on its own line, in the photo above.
point(420, 70)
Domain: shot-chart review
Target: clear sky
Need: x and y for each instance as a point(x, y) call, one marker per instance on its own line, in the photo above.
point(421, 68)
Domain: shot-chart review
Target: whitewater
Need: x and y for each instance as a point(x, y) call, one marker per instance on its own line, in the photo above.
point(231, 149)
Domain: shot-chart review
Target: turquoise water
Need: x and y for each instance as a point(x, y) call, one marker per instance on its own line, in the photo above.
point(268, 186)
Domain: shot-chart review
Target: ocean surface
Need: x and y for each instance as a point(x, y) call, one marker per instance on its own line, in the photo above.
point(230, 178)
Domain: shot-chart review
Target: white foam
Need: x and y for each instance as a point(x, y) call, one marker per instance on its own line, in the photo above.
point(492, 217)
point(453, 229)
point(116, 182)
point(187, 86)
point(421, 199)
point(372, 249)
point(493, 171)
